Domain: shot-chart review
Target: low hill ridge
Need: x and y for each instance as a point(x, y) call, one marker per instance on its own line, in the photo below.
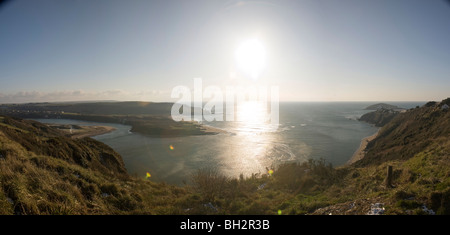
point(383, 106)
point(409, 133)
point(44, 172)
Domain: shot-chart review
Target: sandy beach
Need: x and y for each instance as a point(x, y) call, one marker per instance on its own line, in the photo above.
point(83, 131)
point(210, 129)
point(360, 152)
point(89, 131)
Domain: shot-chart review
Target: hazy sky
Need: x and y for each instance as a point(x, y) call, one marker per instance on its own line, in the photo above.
point(392, 50)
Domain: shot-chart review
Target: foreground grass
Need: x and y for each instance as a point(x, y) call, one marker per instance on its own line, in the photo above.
point(33, 183)
point(38, 184)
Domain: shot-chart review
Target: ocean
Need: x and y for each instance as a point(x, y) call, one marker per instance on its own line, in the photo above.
point(306, 130)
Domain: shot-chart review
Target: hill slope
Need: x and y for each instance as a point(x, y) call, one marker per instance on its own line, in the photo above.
point(98, 108)
point(382, 106)
point(380, 117)
point(44, 172)
point(152, 119)
point(409, 133)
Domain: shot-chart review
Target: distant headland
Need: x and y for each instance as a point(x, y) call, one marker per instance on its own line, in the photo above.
point(383, 106)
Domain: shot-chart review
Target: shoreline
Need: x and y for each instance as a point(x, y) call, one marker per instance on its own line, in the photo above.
point(210, 129)
point(360, 152)
point(92, 131)
point(82, 131)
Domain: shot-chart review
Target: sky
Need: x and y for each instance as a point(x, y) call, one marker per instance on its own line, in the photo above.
point(316, 50)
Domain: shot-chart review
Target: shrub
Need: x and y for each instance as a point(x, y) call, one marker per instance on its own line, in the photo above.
point(209, 183)
point(303, 177)
point(440, 202)
point(408, 204)
point(112, 189)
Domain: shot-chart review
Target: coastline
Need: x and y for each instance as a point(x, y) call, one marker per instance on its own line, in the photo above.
point(360, 152)
point(91, 131)
point(210, 129)
point(82, 131)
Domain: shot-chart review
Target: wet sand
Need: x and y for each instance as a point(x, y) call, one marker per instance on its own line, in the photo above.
point(89, 131)
point(360, 152)
point(78, 132)
point(210, 129)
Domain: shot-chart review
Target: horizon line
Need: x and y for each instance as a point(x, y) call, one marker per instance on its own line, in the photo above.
point(147, 101)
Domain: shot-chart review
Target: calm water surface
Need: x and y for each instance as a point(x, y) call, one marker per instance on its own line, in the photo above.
point(249, 145)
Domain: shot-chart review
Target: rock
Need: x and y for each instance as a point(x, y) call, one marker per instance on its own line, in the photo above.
point(428, 211)
point(262, 186)
point(210, 205)
point(376, 209)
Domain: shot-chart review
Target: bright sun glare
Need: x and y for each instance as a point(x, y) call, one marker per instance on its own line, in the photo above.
point(251, 57)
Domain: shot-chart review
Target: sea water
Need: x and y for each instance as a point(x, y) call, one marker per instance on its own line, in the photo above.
point(312, 130)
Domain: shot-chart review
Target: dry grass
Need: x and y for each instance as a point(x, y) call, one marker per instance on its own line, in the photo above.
point(70, 180)
point(39, 184)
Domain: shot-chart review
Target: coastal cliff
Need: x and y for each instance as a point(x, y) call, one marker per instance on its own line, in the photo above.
point(383, 106)
point(404, 170)
point(411, 132)
point(40, 139)
point(379, 117)
point(42, 171)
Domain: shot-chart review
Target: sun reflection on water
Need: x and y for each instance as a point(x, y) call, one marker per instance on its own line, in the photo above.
point(253, 141)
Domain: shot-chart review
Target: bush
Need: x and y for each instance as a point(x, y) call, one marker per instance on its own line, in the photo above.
point(111, 189)
point(408, 204)
point(304, 177)
point(440, 202)
point(209, 183)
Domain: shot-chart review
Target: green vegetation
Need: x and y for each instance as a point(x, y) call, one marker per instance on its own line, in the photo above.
point(34, 183)
point(382, 106)
point(44, 172)
point(409, 133)
point(380, 117)
point(94, 108)
point(147, 118)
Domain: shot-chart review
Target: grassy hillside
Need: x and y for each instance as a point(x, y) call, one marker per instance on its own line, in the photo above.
point(42, 172)
point(410, 133)
point(98, 108)
point(380, 117)
point(152, 119)
point(382, 106)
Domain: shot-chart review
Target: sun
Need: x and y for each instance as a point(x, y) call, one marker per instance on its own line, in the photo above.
point(250, 57)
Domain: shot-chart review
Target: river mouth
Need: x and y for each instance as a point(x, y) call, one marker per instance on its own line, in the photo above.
point(318, 131)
